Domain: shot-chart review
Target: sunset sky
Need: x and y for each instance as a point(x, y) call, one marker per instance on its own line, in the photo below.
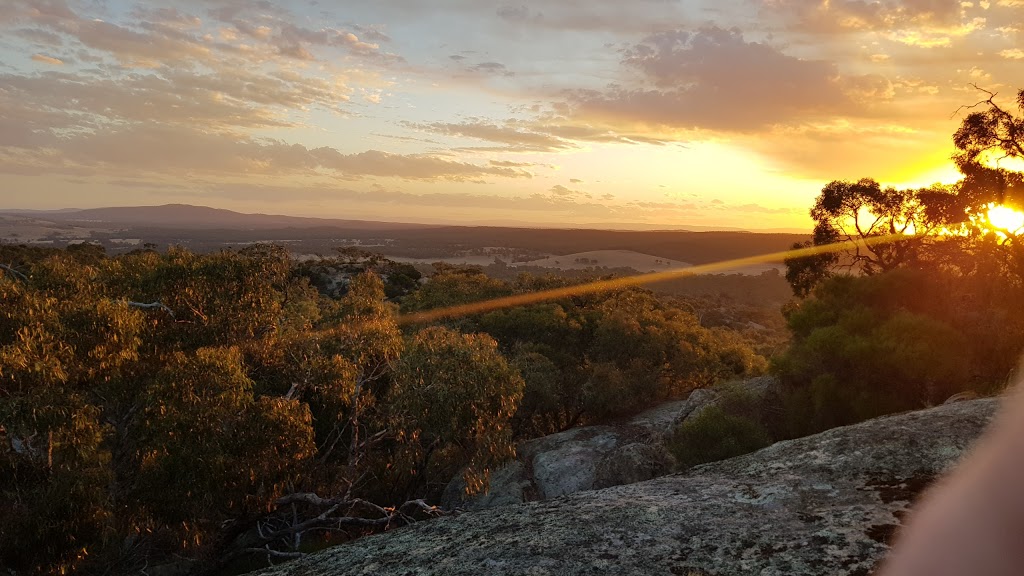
point(555, 112)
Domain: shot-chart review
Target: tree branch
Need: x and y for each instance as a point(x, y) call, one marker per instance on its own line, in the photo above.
point(10, 270)
point(151, 305)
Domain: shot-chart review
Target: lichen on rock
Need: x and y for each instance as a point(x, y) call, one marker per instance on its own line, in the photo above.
point(825, 504)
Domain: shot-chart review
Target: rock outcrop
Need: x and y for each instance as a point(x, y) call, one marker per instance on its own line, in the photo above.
point(593, 457)
point(823, 505)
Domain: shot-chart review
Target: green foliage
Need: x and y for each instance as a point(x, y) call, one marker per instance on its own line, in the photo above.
point(159, 404)
point(948, 222)
point(228, 453)
point(454, 397)
point(872, 345)
point(451, 285)
point(919, 319)
point(542, 410)
point(643, 352)
point(715, 434)
point(859, 213)
point(168, 425)
point(331, 275)
point(54, 478)
point(592, 357)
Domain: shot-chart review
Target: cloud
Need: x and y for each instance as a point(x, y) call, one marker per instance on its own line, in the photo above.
point(925, 24)
point(373, 33)
point(47, 59)
point(854, 15)
point(1012, 54)
point(563, 192)
point(39, 36)
point(230, 99)
point(592, 15)
point(511, 164)
point(887, 152)
point(292, 40)
point(156, 37)
point(167, 16)
point(542, 134)
point(754, 208)
point(148, 49)
point(515, 138)
point(518, 14)
point(414, 203)
point(496, 68)
point(714, 79)
point(180, 151)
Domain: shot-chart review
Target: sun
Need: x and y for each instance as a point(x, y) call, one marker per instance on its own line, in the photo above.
point(1005, 219)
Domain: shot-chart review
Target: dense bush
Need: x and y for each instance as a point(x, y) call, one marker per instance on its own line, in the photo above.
point(179, 424)
point(872, 345)
point(921, 299)
point(715, 434)
point(597, 356)
point(171, 400)
point(455, 395)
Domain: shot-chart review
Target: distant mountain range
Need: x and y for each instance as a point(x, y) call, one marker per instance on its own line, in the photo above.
point(190, 217)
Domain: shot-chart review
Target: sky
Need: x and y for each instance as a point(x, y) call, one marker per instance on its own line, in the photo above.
point(646, 113)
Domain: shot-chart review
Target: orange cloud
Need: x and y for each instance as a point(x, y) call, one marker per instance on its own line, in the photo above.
point(180, 151)
point(47, 60)
point(715, 79)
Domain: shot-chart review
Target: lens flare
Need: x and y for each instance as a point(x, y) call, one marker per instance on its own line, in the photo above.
point(638, 280)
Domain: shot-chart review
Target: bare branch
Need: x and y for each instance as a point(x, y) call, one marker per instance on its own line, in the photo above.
point(307, 498)
point(271, 553)
point(989, 100)
point(151, 305)
point(10, 270)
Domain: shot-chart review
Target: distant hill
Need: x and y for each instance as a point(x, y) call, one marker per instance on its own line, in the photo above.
point(685, 246)
point(202, 229)
point(191, 217)
point(188, 217)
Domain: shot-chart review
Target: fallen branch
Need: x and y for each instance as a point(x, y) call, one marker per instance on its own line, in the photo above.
point(277, 534)
point(271, 553)
point(10, 270)
point(151, 305)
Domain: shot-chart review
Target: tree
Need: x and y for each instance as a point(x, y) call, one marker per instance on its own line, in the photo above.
point(177, 426)
point(714, 434)
point(867, 346)
point(454, 398)
point(990, 131)
point(57, 347)
point(863, 214)
point(208, 450)
point(451, 285)
point(986, 138)
point(643, 351)
point(858, 212)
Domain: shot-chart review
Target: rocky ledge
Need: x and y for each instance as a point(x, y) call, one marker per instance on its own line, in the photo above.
point(824, 504)
point(594, 457)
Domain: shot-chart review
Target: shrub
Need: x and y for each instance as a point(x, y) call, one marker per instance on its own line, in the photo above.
point(715, 434)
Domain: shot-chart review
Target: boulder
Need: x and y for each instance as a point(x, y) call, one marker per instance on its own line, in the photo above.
point(593, 457)
point(822, 505)
point(579, 459)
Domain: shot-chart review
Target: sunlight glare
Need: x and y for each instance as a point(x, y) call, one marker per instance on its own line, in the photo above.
point(1005, 219)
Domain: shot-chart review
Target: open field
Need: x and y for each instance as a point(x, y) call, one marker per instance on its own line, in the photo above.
point(205, 230)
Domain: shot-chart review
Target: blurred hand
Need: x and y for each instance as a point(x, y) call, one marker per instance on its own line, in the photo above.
point(972, 521)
